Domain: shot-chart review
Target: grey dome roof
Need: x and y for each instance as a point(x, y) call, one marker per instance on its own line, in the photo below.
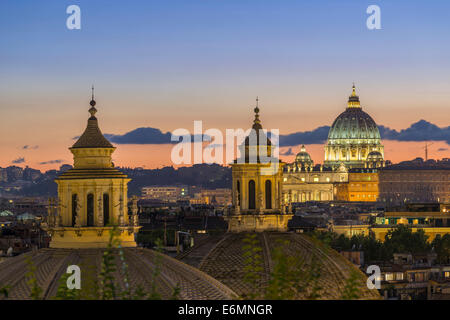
point(354, 123)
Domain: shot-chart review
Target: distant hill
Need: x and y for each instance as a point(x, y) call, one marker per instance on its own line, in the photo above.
point(203, 175)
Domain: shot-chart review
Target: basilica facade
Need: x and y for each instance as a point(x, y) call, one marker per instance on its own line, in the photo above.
point(353, 144)
point(354, 138)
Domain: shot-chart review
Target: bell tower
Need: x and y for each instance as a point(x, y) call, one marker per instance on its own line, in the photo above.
point(92, 197)
point(257, 185)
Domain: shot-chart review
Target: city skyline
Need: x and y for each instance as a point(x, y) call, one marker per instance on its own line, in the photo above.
point(164, 66)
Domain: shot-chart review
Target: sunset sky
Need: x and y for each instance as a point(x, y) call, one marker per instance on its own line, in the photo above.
point(163, 64)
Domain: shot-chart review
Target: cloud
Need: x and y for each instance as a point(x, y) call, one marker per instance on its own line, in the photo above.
point(141, 136)
point(28, 147)
point(287, 153)
point(18, 160)
point(147, 135)
point(442, 149)
point(419, 131)
point(315, 136)
point(51, 162)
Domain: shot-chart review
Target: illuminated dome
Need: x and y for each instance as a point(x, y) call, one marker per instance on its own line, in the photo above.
point(352, 137)
point(303, 157)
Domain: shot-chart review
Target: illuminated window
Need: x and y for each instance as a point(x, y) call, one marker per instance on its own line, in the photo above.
point(316, 179)
point(328, 179)
point(303, 179)
point(399, 276)
point(389, 276)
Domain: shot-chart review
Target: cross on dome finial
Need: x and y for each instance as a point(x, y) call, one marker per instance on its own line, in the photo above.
point(92, 110)
point(256, 122)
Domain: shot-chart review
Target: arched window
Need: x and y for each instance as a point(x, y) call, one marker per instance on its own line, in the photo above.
point(268, 194)
point(238, 190)
point(251, 195)
point(90, 210)
point(105, 209)
point(74, 208)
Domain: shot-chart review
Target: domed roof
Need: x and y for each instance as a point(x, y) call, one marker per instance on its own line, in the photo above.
point(354, 123)
point(92, 137)
point(303, 156)
point(140, 264)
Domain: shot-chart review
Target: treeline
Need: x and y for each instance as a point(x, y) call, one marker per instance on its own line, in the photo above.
point(398, 240)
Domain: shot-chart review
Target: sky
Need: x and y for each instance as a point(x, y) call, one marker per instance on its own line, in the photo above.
point(164, 64)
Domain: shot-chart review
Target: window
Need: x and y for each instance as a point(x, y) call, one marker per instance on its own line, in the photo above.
point(105, 209)
point(251, 195)
point(238, 189)
point(389, 276)
point(90, 210)
point(316, 179)
point(268, 194)
point(74, 208)
point(399, 276)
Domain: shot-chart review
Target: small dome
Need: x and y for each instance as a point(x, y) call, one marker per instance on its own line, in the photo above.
point(303, 157)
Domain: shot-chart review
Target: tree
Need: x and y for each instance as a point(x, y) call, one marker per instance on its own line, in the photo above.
point(401, 239)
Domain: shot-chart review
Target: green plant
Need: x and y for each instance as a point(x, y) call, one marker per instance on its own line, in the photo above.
point(36, 290)
point(351, 289)
point(253, 264)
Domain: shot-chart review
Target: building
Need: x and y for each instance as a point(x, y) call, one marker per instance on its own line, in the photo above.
point(165, 193)
point(354, 138)
point(220, 197)
point(257, 185)
point(414, 277)
point(302, 181)
point(362, 186)
point(92, 196)
point(433, 219)
point(415, 181)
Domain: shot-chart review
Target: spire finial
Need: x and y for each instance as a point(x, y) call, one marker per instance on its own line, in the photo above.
point(92, 110)
point(256, 122)
point(353, 100)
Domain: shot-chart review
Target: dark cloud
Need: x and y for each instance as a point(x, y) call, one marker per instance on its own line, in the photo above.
point(28, 147)
point(442, 149)
point(141, 136)
point(147, 136)
point(419, 131)
point(18, 160)
point(287, 153)
point(315, 136)
point(51, 162)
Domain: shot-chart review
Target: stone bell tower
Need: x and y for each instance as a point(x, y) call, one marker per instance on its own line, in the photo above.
point(257, 185)
point(92, 197)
